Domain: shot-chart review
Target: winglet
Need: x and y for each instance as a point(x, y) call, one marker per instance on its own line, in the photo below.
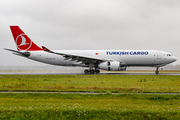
point(46, 49)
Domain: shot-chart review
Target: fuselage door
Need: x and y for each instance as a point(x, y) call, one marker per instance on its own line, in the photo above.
point(159, 55)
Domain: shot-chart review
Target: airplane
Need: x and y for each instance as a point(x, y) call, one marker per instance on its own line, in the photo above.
point(95, 60)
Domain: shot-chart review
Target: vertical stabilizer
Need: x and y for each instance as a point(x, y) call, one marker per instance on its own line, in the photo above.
point(23, 42)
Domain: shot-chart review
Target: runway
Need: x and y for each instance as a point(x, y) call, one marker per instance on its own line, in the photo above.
point(124, 73)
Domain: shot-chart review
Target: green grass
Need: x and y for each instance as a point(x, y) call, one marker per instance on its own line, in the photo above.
point(77, 106)
point(95, 83)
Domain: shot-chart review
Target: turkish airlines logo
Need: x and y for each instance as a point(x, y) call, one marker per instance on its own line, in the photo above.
point(23, 42)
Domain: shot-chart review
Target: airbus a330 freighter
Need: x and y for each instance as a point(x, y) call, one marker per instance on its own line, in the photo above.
point(111, 60)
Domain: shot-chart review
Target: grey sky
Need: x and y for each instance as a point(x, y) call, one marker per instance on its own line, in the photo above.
point(91, 24)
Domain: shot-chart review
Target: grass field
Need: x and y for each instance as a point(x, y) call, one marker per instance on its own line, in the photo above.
point(76, 106)
point(92, 83)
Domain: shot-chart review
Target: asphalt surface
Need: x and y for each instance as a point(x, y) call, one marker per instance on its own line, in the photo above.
point(128, 73)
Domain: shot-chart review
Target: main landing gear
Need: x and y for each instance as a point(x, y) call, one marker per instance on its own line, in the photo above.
point(157, 71)
point(92, 71)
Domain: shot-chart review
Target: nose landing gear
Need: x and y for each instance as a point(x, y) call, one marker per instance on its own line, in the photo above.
point(157, 71)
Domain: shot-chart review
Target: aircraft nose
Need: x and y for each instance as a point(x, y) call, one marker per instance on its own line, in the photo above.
point(174, 58)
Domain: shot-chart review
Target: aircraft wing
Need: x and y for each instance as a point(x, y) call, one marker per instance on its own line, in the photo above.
point(77, 58)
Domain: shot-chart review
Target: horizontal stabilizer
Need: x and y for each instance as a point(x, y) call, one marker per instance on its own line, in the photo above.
point(12, 50)
point(25, 54)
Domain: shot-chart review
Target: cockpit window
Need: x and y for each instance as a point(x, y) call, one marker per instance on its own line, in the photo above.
point(169, 55)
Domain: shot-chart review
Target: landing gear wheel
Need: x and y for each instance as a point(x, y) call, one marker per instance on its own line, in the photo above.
point(86, 71)
point(109, 68)
point(157, 72)
point(97, 71)
point(91, 71)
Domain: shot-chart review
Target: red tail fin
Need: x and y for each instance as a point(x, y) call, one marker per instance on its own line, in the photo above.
point(22, 40)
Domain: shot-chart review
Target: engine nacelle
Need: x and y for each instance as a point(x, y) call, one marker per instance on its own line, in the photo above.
point(112, 66)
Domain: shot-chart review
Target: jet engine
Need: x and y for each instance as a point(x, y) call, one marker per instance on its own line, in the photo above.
point(112, 66)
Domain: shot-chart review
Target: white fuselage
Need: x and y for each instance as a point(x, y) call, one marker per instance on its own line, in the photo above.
point(153, 58)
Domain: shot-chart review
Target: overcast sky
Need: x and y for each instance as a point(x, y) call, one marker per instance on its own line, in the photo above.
point(91, 24)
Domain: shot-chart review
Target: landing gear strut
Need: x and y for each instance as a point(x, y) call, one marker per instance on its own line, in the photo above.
point(92, 71)
point(157, 70)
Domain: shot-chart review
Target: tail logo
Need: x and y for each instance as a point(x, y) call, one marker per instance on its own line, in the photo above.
point(23, 42)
